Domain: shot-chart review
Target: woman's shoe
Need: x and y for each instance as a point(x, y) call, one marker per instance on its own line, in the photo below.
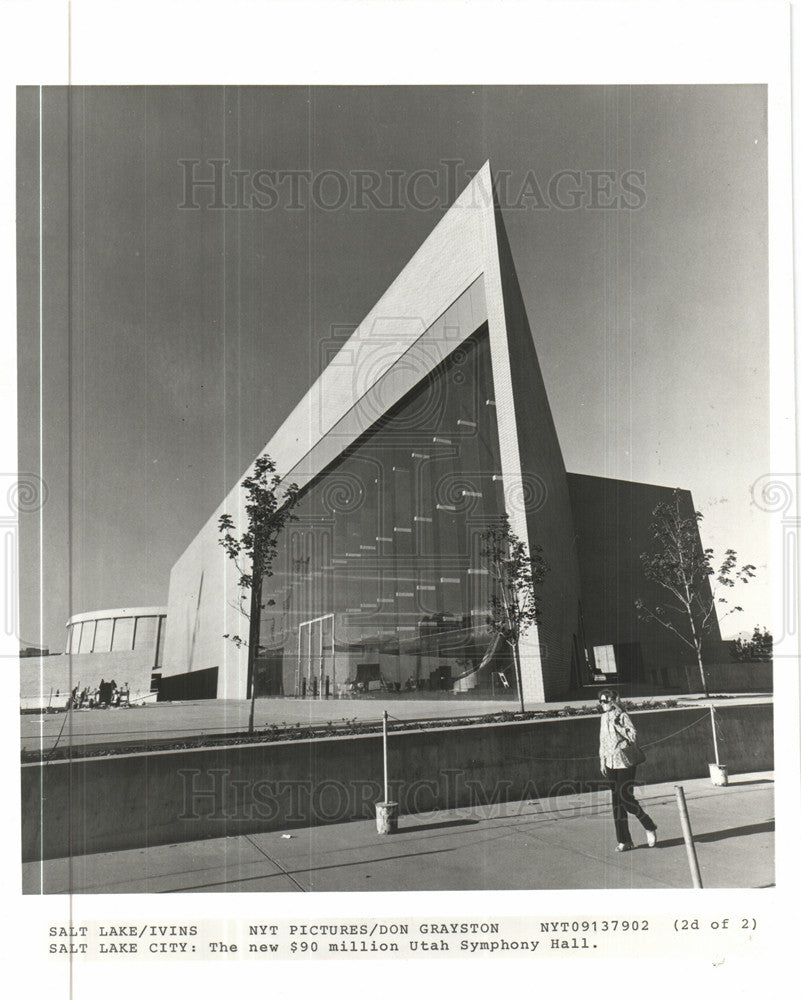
point(625, 847)
point(650, 836)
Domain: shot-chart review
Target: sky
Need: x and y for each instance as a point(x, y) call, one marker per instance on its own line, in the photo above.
point(161, 344)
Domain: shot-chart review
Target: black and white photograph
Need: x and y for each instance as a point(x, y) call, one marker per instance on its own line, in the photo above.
point(404, 506)
point(382, 467)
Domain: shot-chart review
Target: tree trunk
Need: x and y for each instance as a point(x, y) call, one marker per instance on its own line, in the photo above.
point(698, 638)
point(702, 672)
point(711, 708)
point(518, 674)
point(253, 645)
point(252, 710)
point(712, 714)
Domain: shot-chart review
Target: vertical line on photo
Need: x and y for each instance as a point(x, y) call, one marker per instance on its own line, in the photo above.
point(69, 417)
point(69, 399)
point(41, 478)
point(238, 366)
point(310, 109)
point(614, 286)
point(623, 283)
point(222, 554)
point(630, 469)
point(605, 257)
point(145, 295)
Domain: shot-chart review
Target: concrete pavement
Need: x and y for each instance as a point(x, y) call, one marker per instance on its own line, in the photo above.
point(559, 843)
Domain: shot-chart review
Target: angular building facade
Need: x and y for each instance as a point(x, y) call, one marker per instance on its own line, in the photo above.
point(429, 425)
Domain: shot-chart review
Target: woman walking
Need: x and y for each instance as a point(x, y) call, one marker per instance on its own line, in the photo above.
point(619, 758)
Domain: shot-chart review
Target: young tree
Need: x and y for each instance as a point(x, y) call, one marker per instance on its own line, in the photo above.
point(685, 571)
point(268, 508)
point(515, 577)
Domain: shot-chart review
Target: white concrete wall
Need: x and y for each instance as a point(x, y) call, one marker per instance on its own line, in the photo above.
point(537, 496)
point(42, 676)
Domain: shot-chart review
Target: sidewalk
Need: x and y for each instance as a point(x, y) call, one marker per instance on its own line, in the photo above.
point(560, 843)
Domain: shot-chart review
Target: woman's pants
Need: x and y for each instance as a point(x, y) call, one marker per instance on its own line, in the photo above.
point(623, 802)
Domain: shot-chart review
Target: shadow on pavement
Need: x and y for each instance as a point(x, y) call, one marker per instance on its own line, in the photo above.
point(311, 870)
point(424, 827)
point(735, 831)
point(754, 781)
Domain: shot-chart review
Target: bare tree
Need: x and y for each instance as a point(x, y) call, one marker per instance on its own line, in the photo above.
point(686, 572)
point(516, 577)
point(268, 508)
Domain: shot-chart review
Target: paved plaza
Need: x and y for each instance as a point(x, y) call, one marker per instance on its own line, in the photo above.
point(557, 843)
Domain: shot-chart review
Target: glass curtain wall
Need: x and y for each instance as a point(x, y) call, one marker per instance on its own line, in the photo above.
point(379, 584)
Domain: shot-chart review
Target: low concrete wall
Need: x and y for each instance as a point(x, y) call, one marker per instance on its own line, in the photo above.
point(721, 678)
point(112, 803)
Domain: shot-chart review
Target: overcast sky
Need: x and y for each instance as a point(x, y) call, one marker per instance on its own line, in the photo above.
point(194, 331)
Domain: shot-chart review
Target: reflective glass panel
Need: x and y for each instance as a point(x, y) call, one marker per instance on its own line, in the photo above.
point(379, 584)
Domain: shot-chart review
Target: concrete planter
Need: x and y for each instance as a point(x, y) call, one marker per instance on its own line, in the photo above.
point(719, 774)
point(386, 817)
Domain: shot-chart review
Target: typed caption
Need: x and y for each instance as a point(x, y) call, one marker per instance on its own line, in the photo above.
point(522, 937)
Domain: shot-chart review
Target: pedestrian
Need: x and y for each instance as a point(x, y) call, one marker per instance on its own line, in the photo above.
point(620, 755)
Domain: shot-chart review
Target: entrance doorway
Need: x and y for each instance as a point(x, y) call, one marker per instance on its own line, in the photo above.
point(316, 671)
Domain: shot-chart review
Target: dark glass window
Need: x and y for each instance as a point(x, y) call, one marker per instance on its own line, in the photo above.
point(379, 583)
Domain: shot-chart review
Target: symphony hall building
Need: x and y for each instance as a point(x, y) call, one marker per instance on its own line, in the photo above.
point(429, 425)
